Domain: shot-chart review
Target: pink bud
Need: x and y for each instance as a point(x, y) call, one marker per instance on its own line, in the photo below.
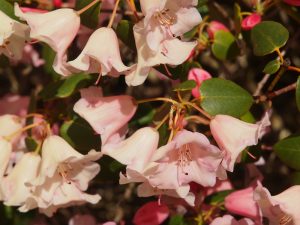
point(241, 202)
point(198, 75)
point(57, 3)
point(250, 21)
point(293, 2)
point(215, 26)
point(151, 213)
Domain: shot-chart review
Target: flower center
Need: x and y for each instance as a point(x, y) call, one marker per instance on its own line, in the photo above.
point(184, 157)
point(63, 170)
point(285, 219)
point(165, 18)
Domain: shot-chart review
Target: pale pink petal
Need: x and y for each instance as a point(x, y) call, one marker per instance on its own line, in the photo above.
point(151, 6)
point(229, 220)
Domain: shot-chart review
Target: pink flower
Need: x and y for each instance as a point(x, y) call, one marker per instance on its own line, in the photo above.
point(14, 104)
point(151, 213)
point(215, 26)
point(229, 220)
point(57, 28)
point(100, 58)
point(233, 136)
point(107, 115)
point(188, 157)
point(293, 2)
point(283, 208)
point(198, 75)
point(241, 202)
point(250, 21)
point(6, 149)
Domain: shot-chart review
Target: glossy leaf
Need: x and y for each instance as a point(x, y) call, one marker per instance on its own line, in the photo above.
point(268, 36)
point(66, 87)
point(80, 135)
point(125, 33)
point(288, 150)
point(224, 46)
point(221, 96)
point(186, 85)
point(272, 67)
point(8, 8)
point(217, 197)
point(90, 18)
point(298, 93)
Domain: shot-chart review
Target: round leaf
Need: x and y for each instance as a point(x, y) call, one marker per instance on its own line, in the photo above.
point(268, 36)
point(221, 96)
point(288, 150)
point(224, 46)
point(272, 67)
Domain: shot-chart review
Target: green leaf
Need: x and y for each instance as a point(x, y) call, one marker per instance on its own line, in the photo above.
point(217, 198)
point(90, 18)
point(298, 93)
point(177, 220)
point(8, 8)
point(186, 85)
point(224, 46)
point(288, 150)
point(221, 96)
point(66, 87)
point(296, 178)
point(125, 33)
point(80, 135)
point(48, 55)
point(272, 67)
point(268, 36)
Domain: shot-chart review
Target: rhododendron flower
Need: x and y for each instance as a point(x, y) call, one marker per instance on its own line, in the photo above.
point(13, 37)
point(215, 26)
point(241, 202)
point(5, 151)
point(283, 208)
point(100, 58)
point(229, 220)
point(57, 28)
point(13, 186)
point(107, 115)
point(64, 176)
point(233, 136)
point(171, 51)
point(14, 104)
point(198, 75)
point(293, 2)
point(151, 213)
point(188, 157)
point(9, 125)
point(250, 21)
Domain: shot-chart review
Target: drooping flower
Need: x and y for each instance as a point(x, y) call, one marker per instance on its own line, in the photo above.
point(151, 213)
point(13, 37)
point(10, 125)
point(188, 157)
point(107, 115)
point(100, 58)
point(13, 186)
point(215, 26)
point(241, 202)
point(283, 208)
point(229, 220)
point(64, 176)
point(233, 136)
point(198, 75)
point(57, 28)
point(250, 21)
point(155, 36)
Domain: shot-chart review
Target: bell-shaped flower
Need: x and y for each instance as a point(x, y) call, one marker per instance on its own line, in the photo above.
point(241, 202)
point(230, 220)
point(64, 176)
point(9, 127)
point(13, 186)
point(198, 75)
point(13, 37)
point(107, 115)
point(283, 208)
point(171, 51)
point(233, 136)
point(151, 213)
point(57, 28)
point(167, 18)
point(188, 157)
point(100, 58)
point(5, 152)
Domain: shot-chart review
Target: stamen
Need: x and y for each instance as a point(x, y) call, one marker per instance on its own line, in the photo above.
point(285, 219)
point(63, 170)
point(185, 157)
point(164, 18)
